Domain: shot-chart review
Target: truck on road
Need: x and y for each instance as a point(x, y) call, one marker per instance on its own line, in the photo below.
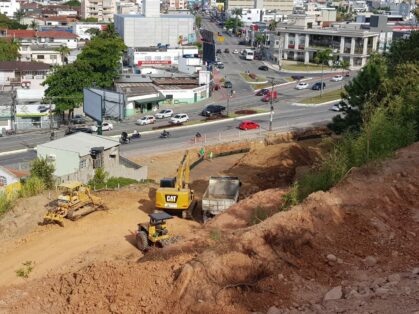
point(222, 192)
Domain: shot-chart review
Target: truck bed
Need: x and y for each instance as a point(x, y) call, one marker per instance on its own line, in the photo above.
point(222, 192)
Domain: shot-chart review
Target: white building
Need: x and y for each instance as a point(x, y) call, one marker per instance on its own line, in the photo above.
point(282, 6)
point(9, 8)
point(178, 4)
point(81, 29)
point(191, 64)
point(103, 10)
point(152, 29)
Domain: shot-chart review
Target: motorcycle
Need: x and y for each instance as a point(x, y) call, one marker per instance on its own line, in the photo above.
point(165, 134)
point(124, 139)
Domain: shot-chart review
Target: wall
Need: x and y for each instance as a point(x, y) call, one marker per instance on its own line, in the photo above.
point(9, 177)
point(65, 163)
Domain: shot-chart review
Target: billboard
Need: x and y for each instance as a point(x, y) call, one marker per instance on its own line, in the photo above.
point(207, 36)
point(141, 62)
point(100, 103)
point(34, 110)
point(92, 104)
point(209, 52)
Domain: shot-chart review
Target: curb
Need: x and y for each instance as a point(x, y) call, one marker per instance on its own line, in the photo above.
point(11, 152)
point(317, 105)
point(287, 83)
point(200, 124)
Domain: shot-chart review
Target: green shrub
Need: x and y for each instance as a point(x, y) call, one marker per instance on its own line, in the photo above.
point(25, 270)
point(99, 178)
point(215, 234)
point(32, 186)
point(5, 203)
point(111, 183)
point(43, 169)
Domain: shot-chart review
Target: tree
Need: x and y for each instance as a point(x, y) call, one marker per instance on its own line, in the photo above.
point(237, 13)
point(272, 25)
point(93, 31)
point(402, 50)
point(73, 3)
point(9, 50)
point(260, 39)
point(10, 24)
point(44, 170)
point(233, 24)
point(66, 83)
point(344, 65)
point(64, 52)
point(323, 57)
point(19, 14)
point(198, 21)
point(33, 25)
point(367, 86)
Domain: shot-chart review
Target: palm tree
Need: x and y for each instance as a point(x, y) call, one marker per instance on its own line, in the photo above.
point(18, 15)
point(272, 25)
point(33, 25)
point(323, 57)
point(198, 21)
point(64, 52)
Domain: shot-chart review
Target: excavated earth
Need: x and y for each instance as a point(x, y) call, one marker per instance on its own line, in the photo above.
point(353, 249)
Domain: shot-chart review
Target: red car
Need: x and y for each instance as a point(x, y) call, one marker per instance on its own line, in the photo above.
point(267, 97)
point(248, 125)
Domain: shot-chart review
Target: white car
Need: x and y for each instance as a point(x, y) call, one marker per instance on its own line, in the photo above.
point(179, 118)
point(106, 126)
point(337, 107)
point(301, 85)
point(337, 78)
point(146, 120)
point(235, 51)
point(165, 113)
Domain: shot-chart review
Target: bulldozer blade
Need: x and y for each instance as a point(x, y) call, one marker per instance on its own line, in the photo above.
point(51, 218)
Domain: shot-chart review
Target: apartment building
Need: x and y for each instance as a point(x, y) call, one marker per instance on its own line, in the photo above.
point(9, 8)
point(103, 10)
point(178, 4)
point(281, 6)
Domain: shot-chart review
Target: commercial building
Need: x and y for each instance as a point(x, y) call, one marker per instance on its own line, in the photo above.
point(152, 29)
point(77, 156)
point(141, 57)
point(281, 6)
point(102, 10)
point(302, 42)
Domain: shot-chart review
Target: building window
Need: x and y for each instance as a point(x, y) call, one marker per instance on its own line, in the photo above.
point(41, 57)
point(3, 181)
point(147, 58)
point(83, 163)
point(53, 57)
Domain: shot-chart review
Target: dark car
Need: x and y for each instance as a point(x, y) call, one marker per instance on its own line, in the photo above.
point(219, 51)
point(43, 108)
point(317, 86)
point(228, 84)
point(262, 92)
point(70, 131)
point(297, 77)
point(78, 119)
point(243, 42)
point(263, 68)
point(227, 50)
point(212, 110)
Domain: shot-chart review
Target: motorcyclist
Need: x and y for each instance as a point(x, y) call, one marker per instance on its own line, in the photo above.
point(198, 135)
point(165, 133)
point(135, 134)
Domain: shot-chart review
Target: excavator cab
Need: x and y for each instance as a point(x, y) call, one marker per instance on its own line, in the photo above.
point(155, 232)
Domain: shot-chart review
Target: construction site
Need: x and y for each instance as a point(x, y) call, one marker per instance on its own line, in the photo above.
point(179, 243)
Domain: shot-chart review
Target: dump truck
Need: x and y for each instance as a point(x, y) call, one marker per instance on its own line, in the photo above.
point(222, 192)
point(74, 201)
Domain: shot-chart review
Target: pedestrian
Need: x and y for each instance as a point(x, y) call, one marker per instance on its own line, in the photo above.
point(202, 152)
point(211, 154)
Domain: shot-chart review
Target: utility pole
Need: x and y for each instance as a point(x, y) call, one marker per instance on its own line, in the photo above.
point(281, 45)
point(50, 120)
point(271, 116)
point(13, 110)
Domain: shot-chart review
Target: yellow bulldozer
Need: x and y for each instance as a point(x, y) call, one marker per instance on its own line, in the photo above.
point(174, 194)
point(74, 202)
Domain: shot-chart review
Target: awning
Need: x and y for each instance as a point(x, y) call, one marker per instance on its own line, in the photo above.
point(151, 99)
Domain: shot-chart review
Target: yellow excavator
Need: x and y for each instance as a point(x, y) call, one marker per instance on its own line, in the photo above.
point(175, 194)
point(74, 202)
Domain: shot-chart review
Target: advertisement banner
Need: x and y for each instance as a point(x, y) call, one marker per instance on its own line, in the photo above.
point(140, 63)
point(33, 110)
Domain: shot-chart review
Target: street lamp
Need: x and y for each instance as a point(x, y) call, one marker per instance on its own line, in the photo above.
point(229, 95)
point(271, 116)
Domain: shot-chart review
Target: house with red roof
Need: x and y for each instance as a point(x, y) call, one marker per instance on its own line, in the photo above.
point(46, 38)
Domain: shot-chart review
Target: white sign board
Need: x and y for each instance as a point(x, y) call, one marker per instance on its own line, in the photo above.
point(92, 104)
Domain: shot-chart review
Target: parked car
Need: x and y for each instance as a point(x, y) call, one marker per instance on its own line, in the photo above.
point(220, 65)
point(297, 77)
point(337, 78)
point(235, 51)
point(219, 51)
point(243, 42)
point(78, 119)
point(228, 84)
point(106, 126)
point(179, 118)
point(301, 85)
point(337, 107)
point(262, 92)
point(317, 86)
point(248, 125)
point(165, 113)
point(263, 68)
point(72, 130)
point(146, 120)
point(227, 50)
point(212, 110)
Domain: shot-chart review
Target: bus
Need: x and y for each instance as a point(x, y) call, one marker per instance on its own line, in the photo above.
point(249, 54)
